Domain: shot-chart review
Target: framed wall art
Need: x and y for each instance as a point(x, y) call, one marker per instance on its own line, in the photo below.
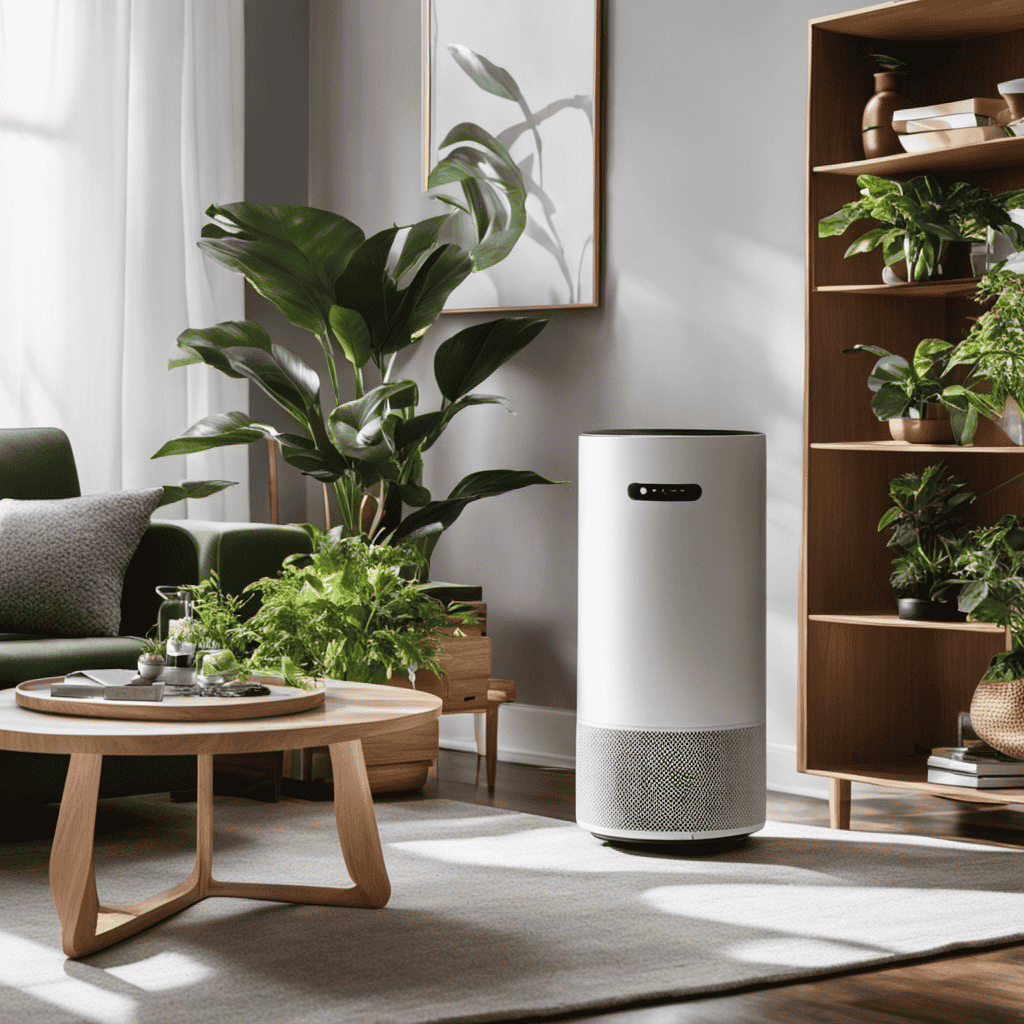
point(528, 73)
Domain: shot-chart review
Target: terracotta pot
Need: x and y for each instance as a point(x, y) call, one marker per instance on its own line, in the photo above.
point(935, 428)
point(997, 715)
point(876, 123)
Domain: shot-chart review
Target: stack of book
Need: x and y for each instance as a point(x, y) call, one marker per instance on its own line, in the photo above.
point(964, 766)
point(943, 125)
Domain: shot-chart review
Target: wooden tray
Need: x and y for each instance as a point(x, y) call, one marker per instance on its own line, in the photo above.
point(282, 700)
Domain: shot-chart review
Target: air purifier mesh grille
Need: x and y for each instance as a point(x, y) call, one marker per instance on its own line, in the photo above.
point(665, 781)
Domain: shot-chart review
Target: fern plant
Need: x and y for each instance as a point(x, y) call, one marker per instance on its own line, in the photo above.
point(344, 612)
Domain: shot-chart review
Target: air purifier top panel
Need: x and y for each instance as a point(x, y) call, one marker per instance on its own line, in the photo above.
point(671, 579)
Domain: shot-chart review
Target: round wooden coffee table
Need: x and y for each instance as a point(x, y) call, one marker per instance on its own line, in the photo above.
point(350, 712)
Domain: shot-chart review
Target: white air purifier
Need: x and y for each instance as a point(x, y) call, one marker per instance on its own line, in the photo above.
point(670, 735)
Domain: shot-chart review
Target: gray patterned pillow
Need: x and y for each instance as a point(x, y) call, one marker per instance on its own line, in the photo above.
point(62, 562)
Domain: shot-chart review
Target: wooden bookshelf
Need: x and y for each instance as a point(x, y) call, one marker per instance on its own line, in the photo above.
point(874, 689)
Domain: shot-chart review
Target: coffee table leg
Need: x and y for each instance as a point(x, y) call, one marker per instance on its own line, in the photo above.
point(72, 880)
point(357, 823)
point(86, 925)
point(359, 839)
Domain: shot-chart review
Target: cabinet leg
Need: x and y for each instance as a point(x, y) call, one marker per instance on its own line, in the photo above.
point(839, 803)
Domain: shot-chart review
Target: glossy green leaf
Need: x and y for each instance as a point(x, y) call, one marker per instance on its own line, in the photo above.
point(350, 330)
point(419, 242)
point(424, 298)
point(275, 375)
point(485, 484)
point(325, 239)
point(927, 352)
point(193, 489)
point(414, 495)
point(890, 403)
point(468, 358)
point(209, 344)
point(465, 402)
point(215, 431)
point(889, 369)
point(362, 285)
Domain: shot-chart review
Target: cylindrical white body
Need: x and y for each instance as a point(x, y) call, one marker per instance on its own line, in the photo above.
point(671, 693)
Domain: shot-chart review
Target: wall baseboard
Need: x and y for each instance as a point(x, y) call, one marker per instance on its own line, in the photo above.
point(528, 734)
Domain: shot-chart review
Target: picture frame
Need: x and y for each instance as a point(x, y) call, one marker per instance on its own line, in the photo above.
point(550, 121)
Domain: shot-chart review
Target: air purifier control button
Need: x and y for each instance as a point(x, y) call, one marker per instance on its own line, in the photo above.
point(664, 492)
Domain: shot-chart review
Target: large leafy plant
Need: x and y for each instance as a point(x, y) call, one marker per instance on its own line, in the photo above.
point(903, 389)
point(918, 216)
point(365, 300)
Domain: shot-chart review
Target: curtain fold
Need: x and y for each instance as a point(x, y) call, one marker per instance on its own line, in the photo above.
point(121, 121)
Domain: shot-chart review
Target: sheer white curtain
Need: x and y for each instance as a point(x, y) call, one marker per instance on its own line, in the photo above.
point(120, 122)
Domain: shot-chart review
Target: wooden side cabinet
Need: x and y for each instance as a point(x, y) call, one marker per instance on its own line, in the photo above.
point(872, 687)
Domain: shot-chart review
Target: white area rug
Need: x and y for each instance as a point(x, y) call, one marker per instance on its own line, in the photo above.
point(493, 916)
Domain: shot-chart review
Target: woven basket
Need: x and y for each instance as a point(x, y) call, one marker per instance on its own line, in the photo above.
point(997, 715)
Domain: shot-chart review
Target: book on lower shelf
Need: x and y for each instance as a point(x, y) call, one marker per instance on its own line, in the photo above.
point(969, 761)
point(969, 781)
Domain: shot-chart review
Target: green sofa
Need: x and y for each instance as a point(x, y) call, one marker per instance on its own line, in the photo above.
point(38, 463)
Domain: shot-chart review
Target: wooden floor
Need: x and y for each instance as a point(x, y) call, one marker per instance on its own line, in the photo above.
point(979, 988)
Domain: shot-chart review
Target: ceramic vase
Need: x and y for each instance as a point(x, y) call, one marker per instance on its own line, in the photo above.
point(876, 124)
point(935, 428)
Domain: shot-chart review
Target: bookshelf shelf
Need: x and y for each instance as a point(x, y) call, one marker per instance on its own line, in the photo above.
point(894, 622)
point(927, 290)
point(912, 773)
point(981, 156)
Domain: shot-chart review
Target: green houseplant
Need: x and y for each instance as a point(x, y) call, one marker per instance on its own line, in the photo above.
point(344, 612)
point(991, 568)
point(994, 346)
point(926, 523)
point(903, 390)
point(919, 218)
point(364, 300)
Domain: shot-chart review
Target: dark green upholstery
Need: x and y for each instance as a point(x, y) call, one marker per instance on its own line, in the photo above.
point(38, 463)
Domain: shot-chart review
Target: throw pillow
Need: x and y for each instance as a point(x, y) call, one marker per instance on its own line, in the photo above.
point(62, 561)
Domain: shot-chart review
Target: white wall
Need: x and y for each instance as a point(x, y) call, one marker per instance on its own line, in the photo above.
point(701, 319)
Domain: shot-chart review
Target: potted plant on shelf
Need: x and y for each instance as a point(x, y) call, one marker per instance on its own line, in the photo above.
point(364, 300)
point(919, 221)
point(994, 347)
point(926, 522)
point(919, 399)
point(991, 570)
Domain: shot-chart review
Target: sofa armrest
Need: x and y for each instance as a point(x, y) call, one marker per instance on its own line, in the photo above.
point(188, 550)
